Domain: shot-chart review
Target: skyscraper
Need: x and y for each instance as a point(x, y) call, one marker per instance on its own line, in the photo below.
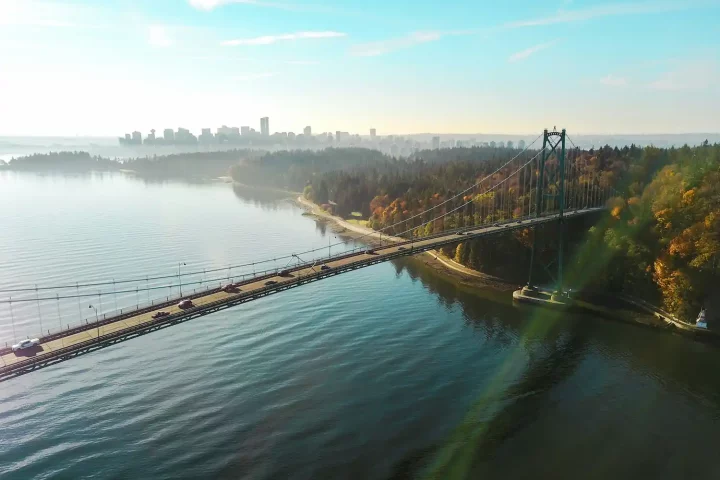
point(436, 143)
point(307, 131)
point(373, 133)
point(265, 126)
point(169, 135)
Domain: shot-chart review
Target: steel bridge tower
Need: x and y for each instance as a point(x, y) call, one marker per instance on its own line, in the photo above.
point(553, 144)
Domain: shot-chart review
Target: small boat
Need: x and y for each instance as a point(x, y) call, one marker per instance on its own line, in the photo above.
point(701, 322)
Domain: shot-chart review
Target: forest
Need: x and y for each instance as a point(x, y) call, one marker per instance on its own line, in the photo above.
point(660, 238)
point(179, 165)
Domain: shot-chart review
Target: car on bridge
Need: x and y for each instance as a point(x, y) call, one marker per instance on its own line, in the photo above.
point(187, 303)
point(326, 267)
point(160, 314)
point(370, 251)
point(496, 224)
point(271, 282)
point(401, 249)
point(25, 344)
point(285, 273)
point(230, 288)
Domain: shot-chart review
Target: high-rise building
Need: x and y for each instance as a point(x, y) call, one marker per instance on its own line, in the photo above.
point(150, 139)
point(206, 136)
point(169, 135)
point(244, 131)
point(373, 134)
point(265, 126)
point(436, 143)
point(137, 138)
point(307, 131)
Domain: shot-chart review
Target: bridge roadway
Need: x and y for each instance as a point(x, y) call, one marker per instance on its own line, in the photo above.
point(88, 338)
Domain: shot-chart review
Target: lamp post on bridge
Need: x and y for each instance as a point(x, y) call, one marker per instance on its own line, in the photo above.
point(180, 264)
point(97, 320)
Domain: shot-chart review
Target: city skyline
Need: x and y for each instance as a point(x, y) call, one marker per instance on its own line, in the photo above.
point(86, 67)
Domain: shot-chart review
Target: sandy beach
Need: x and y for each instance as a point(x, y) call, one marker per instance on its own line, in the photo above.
point(432, 258)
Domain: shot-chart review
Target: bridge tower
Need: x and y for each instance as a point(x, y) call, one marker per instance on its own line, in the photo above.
point(553, 144)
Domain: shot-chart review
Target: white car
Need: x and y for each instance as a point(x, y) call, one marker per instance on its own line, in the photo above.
point(26, 344)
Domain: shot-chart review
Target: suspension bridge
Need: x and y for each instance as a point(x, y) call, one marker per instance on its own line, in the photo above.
point(545, 185)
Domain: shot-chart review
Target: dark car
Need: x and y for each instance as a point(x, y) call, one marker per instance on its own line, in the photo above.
point(160, 314)
point(459, 233)
point(496, 225)
point(325, 267)
point(271, 282)
point(285, 273)
point(231, 288)
point(402, 248)
point(185, 304)
point(370, 251)
point(519, 221)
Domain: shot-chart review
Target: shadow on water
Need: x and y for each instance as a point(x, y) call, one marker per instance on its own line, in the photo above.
point(549, 347)
point(263, 198)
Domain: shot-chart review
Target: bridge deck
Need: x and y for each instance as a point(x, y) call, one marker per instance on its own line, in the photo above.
point(91, 337)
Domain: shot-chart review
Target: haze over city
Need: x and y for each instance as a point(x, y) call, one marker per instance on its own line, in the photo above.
point(105, 68)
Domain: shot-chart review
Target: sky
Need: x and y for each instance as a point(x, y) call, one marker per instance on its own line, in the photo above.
point(103, 68)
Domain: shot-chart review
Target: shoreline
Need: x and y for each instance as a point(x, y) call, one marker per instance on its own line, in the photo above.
point(432, 258)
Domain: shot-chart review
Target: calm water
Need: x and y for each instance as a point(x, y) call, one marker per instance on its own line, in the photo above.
point(387, 372)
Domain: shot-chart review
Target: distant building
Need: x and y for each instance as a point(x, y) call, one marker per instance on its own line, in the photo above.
point(150, 139)
point(184, 136)
point(291, 136)
point(206, 136)
point(244, 131)
point(307, 131)
point(169, 135)
point(137, 138)
point(435, 143)
point(373, 134)
point(265, 126)
point(521, 144)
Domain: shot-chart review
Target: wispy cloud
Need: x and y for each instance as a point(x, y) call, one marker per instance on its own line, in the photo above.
point(523, 54)
point(598, 11)
point(302, 62)
point(159, 37)
point(253, 76)
point(270, 39)
point(613, 81)
point(34, 13)
point(213, 4)
point(688, 76)
point(373, 49)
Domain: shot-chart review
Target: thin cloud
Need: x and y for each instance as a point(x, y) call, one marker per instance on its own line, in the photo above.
point(613, 81)
point(208, 5)
point(159, 37)
point(524, 54)
point(598, 11)
point(688, 76)
point(253, 76)
point(374, 49)
point(302, 62)
point(270, 39)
